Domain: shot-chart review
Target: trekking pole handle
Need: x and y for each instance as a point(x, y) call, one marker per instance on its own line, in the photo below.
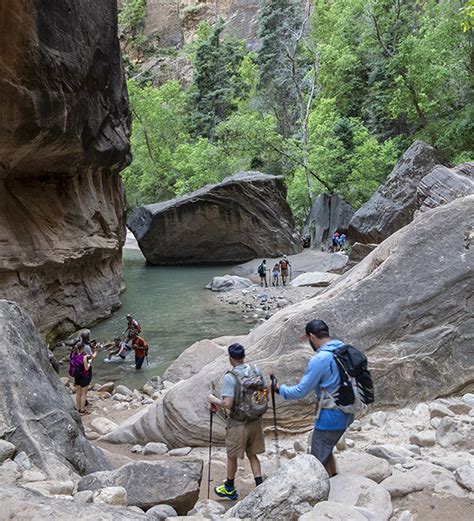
point(274, 381)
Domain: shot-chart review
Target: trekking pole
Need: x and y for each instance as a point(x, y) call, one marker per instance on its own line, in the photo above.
point(277, 442)
point(212, 410)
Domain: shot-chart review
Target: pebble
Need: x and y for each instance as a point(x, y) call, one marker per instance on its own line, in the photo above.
point(378, 418)
point(124, 390)
point(155, 448)
point(137, 449)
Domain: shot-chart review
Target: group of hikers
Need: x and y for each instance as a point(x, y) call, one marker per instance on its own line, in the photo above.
point(279, 272)
point(337, 374)
point(85, 352)
point(338, 241)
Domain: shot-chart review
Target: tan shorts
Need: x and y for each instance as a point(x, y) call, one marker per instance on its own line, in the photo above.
point(245, 438)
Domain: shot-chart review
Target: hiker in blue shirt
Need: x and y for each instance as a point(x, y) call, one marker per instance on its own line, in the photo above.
point(321, 377)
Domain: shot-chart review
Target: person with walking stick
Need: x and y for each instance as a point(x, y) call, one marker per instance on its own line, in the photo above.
point(322, 377)
point(244, 395)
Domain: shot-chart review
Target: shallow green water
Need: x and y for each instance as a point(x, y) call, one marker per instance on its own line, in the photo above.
point(174, 310)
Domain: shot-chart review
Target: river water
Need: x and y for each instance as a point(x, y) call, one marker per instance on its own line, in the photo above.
point(174, 309)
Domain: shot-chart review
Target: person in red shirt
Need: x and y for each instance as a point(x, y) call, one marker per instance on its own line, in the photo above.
point(140, 346)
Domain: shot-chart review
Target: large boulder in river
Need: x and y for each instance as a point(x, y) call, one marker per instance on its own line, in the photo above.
point(395, 202)
point(37, 413)
point(443, 185)
point(328, 214)
point(63, 140)
point(243, 217)
point(406, 305)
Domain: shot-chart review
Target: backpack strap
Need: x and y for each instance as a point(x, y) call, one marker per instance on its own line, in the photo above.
point(238, 388)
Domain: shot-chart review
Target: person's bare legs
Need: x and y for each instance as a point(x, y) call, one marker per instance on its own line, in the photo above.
point(330, 466)
point(255, 465)
point(231, 467)
point(78, 397)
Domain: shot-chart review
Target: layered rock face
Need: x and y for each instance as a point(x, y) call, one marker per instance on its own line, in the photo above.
point(443, 185)
point(405, 305)
point(175, 22)
point(63, 139)
point(395, 202)
point(243, 217)
point(328, 214)
point(37, 414)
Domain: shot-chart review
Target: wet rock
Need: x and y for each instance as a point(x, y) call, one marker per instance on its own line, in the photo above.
point(111, 496)
point(465, 477)
point(103, 425)
point(395, 202)
point(7, 450)
point(161, 513)
point(270, 500)
point(229, 283)
point(371, 467)
point(357, 491)
point(107, 387)
point(123, 390)
point(174, 482)
point(245, 210)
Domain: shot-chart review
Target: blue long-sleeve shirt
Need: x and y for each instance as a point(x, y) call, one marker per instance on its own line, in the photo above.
point(321, 373)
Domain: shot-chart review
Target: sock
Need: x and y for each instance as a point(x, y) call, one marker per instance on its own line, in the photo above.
point(258, 481)
point(229, 484)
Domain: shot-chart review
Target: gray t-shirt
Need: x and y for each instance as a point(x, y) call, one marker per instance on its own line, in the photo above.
point(229, 385)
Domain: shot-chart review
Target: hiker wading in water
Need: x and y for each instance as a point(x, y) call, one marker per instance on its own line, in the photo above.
point(80, 369)
point(140, 346)
point(321, 377)
point(244, 395)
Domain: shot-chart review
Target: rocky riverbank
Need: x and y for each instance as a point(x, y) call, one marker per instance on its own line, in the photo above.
point(399, 464)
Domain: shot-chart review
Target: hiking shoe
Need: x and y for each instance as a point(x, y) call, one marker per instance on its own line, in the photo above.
point(223, 491)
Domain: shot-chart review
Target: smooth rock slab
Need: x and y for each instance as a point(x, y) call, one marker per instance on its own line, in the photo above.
point(315, 279)
point(354, 490)
point(363, 464)
point(175, 483)
point(305, 484)
point(332, 511)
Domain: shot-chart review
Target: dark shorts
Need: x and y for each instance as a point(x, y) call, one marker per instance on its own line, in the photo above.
point(139, 361)
point(83, 380)
point(323, 442)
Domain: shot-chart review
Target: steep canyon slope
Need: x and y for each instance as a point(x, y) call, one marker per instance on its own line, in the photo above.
point(64, 136)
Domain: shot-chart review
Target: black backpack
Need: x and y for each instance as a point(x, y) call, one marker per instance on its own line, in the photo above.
point(355, 377)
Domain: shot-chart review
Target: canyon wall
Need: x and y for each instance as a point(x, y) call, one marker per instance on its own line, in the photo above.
point(64, 136)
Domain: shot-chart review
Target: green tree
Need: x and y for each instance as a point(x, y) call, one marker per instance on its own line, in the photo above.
point(216, 81)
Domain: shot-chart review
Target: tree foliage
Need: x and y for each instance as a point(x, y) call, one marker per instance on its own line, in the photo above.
point(335, 93)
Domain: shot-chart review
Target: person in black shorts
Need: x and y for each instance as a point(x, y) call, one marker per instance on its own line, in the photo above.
point(81, 363)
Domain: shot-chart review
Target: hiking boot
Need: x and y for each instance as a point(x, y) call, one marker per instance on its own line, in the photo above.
point(229, 493)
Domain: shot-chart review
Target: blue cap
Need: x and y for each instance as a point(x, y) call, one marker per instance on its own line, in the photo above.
point(236, 351)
